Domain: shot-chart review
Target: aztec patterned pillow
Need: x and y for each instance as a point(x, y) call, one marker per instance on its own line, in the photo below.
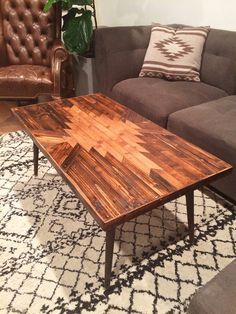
point(175, 54)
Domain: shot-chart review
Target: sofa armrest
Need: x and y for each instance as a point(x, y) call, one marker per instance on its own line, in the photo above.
point(119, 54)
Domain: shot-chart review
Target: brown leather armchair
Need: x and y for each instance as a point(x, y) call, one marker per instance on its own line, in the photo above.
point(33, 61)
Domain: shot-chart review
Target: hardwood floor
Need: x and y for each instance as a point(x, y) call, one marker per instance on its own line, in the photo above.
point(8, 122)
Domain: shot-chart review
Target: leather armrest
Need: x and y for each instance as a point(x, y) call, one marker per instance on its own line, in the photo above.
point(59, 56)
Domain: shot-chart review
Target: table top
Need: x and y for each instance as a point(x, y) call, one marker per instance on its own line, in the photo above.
point(117, 162)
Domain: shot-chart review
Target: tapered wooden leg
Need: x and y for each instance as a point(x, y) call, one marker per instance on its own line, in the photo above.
point(110, 237)
point(36, 160)
point(190, 214)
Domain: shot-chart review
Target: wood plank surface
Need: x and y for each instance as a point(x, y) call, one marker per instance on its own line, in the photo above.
point(119, 163)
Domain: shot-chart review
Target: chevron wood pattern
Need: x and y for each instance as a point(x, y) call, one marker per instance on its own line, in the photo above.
point(119, 163)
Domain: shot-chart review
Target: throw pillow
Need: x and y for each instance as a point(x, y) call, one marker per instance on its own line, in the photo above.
point(175, 54)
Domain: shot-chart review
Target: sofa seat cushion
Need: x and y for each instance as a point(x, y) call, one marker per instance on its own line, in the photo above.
point(211, 126)
point(218, 295)
point(156, 98)
point(25, 81)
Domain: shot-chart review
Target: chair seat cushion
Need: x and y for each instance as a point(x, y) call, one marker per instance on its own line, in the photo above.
point(25, 81)
point(211, 126)
point(156, 98)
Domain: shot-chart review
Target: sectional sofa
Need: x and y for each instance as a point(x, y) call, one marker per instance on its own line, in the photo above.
point(203, 112)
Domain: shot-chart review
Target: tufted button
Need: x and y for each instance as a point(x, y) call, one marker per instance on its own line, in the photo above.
point(27, 5)
point(35, 19)
point(49, 45)
point(41, 6)
point(27, 32)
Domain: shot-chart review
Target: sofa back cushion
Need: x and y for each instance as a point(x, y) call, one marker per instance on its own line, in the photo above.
point(119, 53)
point(219, 60)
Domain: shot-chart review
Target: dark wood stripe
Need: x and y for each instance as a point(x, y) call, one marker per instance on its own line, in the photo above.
point(161, 181)
point(140, 181)
point(60, 151)
point(122, 175)
point(69, 160)
point(182, 158)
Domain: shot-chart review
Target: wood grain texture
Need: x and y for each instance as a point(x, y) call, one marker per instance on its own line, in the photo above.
point(119, 163)
point(8, 122)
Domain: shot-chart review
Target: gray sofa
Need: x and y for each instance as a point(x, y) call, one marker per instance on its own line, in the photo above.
point(218, 295)
point(202, 112)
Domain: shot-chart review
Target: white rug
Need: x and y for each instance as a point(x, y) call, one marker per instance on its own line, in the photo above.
point(52, 251)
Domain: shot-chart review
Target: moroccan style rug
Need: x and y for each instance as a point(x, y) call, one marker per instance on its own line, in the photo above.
point(52, 251)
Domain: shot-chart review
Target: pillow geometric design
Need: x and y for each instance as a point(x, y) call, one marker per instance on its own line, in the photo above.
point(175, 54)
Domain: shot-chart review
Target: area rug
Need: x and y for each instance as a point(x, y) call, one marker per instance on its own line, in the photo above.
point(52, 251)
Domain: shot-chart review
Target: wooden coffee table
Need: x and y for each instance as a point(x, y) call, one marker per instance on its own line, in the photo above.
point(120, 164)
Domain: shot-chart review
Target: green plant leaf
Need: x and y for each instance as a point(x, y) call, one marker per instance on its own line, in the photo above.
point(49, 4)
point(70, 15)
point(77, 24)
point(83, 2)
point(87, 26)
point(78, 33)
point(68, 4)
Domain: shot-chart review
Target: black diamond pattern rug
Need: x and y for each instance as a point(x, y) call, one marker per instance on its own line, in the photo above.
point(52, 251)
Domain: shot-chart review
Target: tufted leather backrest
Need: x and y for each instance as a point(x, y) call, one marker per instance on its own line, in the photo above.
point(27, 31)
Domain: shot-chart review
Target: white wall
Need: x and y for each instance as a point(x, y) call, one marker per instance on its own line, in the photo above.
point(216, 13)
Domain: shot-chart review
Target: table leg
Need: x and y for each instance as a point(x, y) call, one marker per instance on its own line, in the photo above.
point(110, 237)
point(190, 214)
point(36, 160)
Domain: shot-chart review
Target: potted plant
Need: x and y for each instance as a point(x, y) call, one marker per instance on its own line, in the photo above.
point(77, 27)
